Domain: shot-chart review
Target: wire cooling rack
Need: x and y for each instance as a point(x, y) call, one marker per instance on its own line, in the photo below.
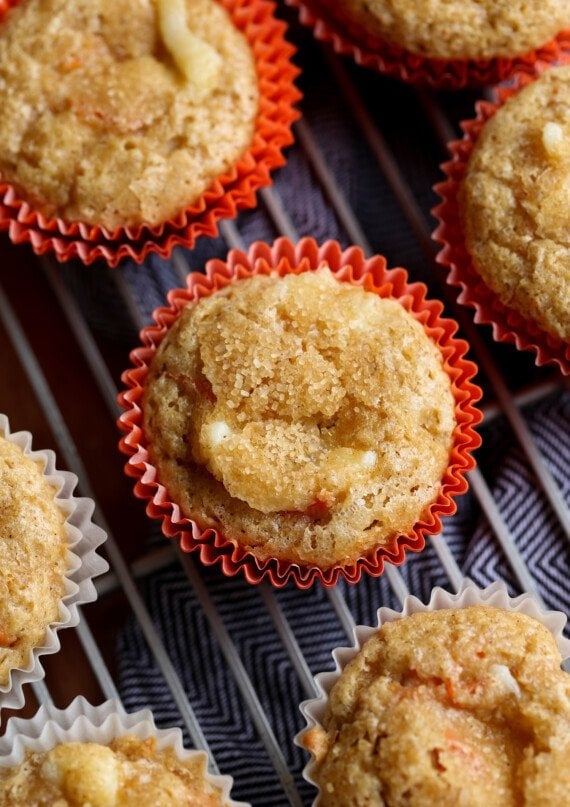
point(366, 156)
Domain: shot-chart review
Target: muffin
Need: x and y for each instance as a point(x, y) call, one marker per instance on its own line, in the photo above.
point(504, 220)
point(33, 557)
point(447, 45)
point(47, 559)
point(102, 757)
point(113, 129)
point(463, 705)
point(304, 418)
point(126, 771)
point(513, 203)
point(126, 129)
point(476, 29)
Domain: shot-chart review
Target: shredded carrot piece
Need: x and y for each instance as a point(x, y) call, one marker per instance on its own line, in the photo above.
point(6, 640)
point(71, 63)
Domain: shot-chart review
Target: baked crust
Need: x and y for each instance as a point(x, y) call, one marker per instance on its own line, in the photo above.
point(514, 203)
point(448, 707)
point(305, 418)
point(462, 29)
point(127, 771)
point(33, 550)
point(106, 129)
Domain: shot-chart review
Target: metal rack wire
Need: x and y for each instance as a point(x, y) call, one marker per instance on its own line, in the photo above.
point(440, 120)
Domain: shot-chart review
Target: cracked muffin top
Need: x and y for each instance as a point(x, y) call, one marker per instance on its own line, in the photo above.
point(462, 29)
point(515, 203)
point(448, 707)
point(129, 110)
point(33, 557)
point(127, 771)
point(308, 419)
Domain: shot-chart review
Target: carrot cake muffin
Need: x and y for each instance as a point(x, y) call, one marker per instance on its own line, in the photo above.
point(33, 549)
point(303, 417)
point(515, 203)
point(448, 707)
point(127, 771)
point(462, 29)
point(128, 111)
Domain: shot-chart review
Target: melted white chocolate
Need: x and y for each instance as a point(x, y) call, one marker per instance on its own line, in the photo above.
point(198, 61)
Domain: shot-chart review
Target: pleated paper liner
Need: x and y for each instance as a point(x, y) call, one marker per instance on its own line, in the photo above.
point(350, 266)
point(81, 722)
point(233, 191)
point(508, 325)
point(495, 595)
point(347, 38)
point(83, 563)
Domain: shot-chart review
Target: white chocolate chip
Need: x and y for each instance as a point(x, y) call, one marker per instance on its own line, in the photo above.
point(369, 458)
point(505, 676)
point(217, 433)
point(340, 459)
point(198, 61)
point(553, 138)
point(87, 773)
point(51, 771)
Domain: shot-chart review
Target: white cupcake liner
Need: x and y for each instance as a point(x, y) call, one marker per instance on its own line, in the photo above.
point(496, 595)
point(82, 722)
point(83, 563)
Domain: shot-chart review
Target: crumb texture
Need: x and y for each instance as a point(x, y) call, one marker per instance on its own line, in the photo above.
point(126, 772)
point(107, 128)
point(308, 418)
point(33, 548)
point(515, 203)
point(466, 707)
point(463, 29)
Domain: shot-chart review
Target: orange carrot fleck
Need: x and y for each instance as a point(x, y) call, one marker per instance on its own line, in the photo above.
point(6, 640)
point(71, 63)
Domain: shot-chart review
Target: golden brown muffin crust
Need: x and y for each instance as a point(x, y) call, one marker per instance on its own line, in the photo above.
point(448, 707)
point(33, 548)
point(305, 417)
point(462, 29)
point(128, 771)
point(515, 202)
point(105, 128)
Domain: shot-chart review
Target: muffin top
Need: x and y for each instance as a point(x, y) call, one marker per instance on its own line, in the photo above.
point(448, 707)
point(127, 771)
point(129, 110)
point(33, 548)
point(307, 418)
point(515, 202)
point(462, 29)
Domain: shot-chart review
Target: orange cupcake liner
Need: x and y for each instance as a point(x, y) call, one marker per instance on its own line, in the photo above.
point(350, 266)
point(507, 324)
point(348, 38)
point(233, 191)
